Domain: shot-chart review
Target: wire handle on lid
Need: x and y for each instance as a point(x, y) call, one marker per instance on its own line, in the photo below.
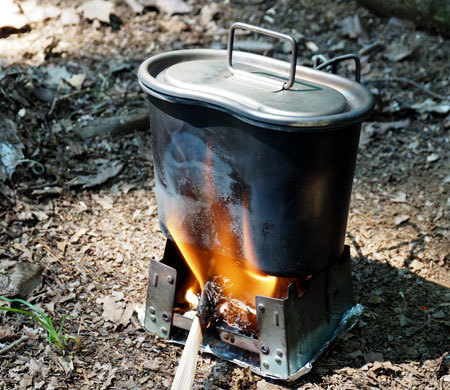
point(264, 31)
point(320, 62)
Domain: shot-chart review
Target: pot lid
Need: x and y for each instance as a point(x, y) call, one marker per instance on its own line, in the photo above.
point(263, 93)
point(255, 87)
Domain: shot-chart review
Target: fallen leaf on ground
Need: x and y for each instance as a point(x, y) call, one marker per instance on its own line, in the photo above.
point(135, 6)
point(397, 52)
point(66, 363)
point(25, 278)
point(373, 356)
point(264, 385)
point(429, 105)
point(11, 16)
point(37, 13)
point(399, 219)
point(400, 197)
point(312, 46)
point(48, 191)
point(77, 80)
point(433, 157)
point(56, 75)
point(105, 172)
point(10, 148)
point(111, 376)
point(416, 265)
point(174, 26)
point(126, 314)
point(78, 234)
point(106, 202)
point(114, 310)
point(69, 17)
point(402, 23)
point(385, 366)
point(96, 9)
point(354, 354)
point(23, 249)
point(381, 128)
point(169, 7)
point(208, 13)
point(351, 26)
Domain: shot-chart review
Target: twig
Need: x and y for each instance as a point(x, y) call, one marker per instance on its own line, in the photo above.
point(125, 123)
point(407, 81)
point(184, 377)
point(13, 344)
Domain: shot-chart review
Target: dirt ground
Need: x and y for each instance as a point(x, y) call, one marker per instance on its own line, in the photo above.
point(84, 208)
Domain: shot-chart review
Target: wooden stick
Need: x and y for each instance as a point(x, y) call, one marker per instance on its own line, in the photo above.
point(184, 377)
point(13, 344)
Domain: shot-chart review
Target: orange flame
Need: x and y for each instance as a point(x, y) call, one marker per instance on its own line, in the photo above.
point(230, 256)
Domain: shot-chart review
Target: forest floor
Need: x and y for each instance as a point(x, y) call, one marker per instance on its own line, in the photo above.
point(82, 206)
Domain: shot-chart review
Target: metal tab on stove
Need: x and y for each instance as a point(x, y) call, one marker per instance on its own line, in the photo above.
point(160, 298)
point(272, 336)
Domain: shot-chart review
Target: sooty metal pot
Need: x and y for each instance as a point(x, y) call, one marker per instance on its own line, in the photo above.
point(259, 147)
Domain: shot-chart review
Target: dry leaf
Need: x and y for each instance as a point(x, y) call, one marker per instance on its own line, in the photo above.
point(37, 13)
point(169, 7)
point(10, 148)
point(126, 315)
point(354, 354)
point(416, 265)
point(264, 385)
point(69, 17)
point(381, 128)
point(403, 320)
point(373, 356)
point(208, 13)
point(23, 249)
point(77, 80)
point(439, 315)
point(25, 278)
point(106, 202)
point(118, 295)
point(96, 9)
point(397, 52)
point(312, 46)
point(433, 157)
point(111, 376)
point(104, 173)
point(56, 75)
point(112, 311)
point(11, 15)
point(429, 105)
point(78, 234)
point(351, 26)
point(399, 219)
point(175, 26)
point(61, 245)
point(400, 197)
point(135, 6)
point(66, 363)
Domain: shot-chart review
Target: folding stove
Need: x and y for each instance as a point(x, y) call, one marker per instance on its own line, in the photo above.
point(254, 161)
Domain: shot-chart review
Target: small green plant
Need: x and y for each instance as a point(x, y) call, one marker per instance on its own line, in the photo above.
point(54, 336)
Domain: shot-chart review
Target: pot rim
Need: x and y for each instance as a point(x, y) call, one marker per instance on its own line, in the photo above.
point(360, 101)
